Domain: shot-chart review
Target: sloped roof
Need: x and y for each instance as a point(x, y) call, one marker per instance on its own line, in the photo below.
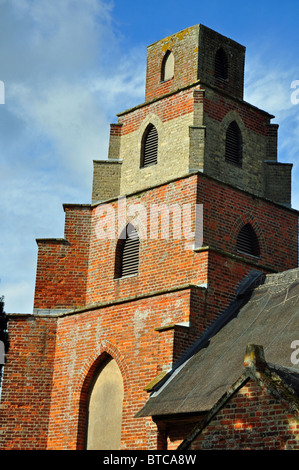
point(281, 383)
point(266, 315)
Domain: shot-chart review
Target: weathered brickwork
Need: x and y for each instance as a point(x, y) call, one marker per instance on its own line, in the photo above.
point(28, 375)
point(251, 420)
point(194, 52)
point(126, 332)
point(63, 263)
point(191, 117)
point(226, 210)
point(278, 182)
point(259, 138)
point(83, 314)
point(106, 176)
point(184, 46)
point(172, 118)
point(164, 262)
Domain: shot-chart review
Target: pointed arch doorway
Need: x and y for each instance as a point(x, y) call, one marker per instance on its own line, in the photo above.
point(105, 404)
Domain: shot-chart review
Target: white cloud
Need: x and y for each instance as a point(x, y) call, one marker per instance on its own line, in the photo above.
point(268, 86)
point(65, 78)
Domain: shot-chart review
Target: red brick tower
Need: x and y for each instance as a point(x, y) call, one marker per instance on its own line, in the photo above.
point(114, 308)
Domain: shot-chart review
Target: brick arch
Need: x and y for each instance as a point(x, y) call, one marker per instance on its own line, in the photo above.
point(100, 355)
point(230, 117)
point(248, 219)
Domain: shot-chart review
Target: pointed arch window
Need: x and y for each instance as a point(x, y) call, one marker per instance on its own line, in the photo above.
point(149, 146)
point(127, 253)
point(221, 65)
point(105, 404)
point(167, 69)
point(233, 144)
point(247, 241)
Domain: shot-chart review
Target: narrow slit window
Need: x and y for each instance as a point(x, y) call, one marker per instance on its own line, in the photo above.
point(247, 241)
point(149, 147)
point(233, 144)
point(221, 65)
point(127, 253)
point(167, 70)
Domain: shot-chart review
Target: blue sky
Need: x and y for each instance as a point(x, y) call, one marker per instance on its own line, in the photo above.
point(69, 66)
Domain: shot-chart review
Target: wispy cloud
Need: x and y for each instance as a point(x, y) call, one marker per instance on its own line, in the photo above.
point(65, 76)
point(268, 86)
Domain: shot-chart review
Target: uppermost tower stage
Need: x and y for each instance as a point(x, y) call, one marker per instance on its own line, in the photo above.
point(200, 55)
point(193, 118)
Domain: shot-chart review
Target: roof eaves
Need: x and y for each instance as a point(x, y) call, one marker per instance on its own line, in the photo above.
point(265, 375)
point(243, 293)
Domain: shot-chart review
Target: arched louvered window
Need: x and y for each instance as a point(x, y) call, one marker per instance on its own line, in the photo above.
point(127, 253)
point(167, 70)
point(233, 144)
point(221, 65)
point(247, 241)
point(149, 146)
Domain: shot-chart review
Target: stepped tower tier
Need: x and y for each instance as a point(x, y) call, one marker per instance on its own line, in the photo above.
point(194, 103)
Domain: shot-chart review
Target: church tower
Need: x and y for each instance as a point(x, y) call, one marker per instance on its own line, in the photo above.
point(194, 100)
point(190, 201)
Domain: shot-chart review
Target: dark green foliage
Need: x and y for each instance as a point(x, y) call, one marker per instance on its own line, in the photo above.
point(3, 331)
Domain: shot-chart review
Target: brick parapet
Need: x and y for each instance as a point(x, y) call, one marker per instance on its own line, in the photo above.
point(62, 264)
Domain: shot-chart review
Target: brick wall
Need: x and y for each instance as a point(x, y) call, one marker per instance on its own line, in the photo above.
point(128, 333)
point(252, 419)
point(26, 394)
point(172, 117)
point(191, 125)
point(191, 113)
point(164, 263)
point(209, 43)
point(63, 263)
point(227, 209)
point(258, 142)
point(194, 51)
point(106, 180)
point(184, 46)
point(278, 182)
point(146, 321)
